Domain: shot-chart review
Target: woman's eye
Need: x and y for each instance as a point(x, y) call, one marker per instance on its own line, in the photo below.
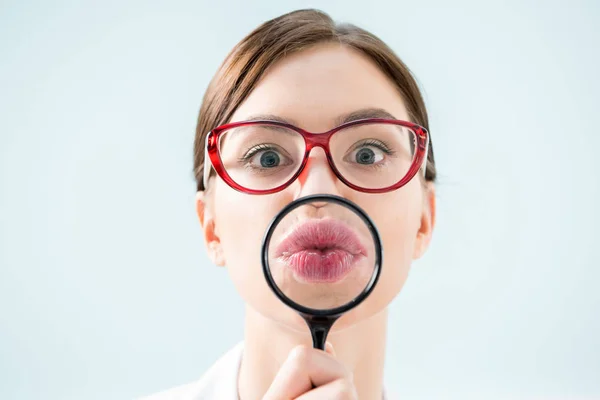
point(367, 155)
point(267, 159)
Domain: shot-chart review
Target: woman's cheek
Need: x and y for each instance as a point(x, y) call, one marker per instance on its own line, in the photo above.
point(242, 220)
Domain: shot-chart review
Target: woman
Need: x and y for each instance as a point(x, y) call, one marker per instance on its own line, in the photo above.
point(295, 74)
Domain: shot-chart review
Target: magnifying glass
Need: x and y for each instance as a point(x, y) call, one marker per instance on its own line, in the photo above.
point(321, 256)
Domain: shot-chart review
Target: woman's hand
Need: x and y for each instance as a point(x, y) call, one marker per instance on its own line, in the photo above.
point(311, 374)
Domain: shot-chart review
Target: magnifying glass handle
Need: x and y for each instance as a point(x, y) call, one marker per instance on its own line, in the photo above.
point(319, 328)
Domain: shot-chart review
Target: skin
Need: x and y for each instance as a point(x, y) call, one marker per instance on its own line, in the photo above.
point(312, 89)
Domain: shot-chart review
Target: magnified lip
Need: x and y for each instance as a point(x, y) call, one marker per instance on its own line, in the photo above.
point(321, 250)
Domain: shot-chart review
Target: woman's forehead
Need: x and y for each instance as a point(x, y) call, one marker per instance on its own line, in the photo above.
point(316, 88)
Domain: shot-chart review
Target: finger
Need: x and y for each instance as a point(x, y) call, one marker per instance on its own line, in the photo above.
point(341, 389)
point(304, 369)
point(329, 349)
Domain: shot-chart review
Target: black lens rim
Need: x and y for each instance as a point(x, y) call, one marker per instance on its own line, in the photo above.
point(378, 255)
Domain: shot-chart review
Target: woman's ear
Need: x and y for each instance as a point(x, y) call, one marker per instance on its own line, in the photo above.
point(205, 212)
point(427, 221)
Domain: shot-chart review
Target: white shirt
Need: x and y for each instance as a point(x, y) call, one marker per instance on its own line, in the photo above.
point(218, 383)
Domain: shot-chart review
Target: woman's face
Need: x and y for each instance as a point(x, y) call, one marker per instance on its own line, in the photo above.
point(313, 89)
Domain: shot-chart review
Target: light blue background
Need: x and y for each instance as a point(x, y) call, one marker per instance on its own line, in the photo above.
point(105, 289)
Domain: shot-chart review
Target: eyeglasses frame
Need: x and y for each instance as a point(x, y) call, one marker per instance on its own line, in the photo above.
point(312, 140)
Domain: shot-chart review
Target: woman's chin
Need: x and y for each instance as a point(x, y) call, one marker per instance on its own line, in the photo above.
point(292, 321)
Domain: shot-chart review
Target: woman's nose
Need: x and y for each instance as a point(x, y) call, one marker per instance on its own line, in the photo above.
point(317, 176)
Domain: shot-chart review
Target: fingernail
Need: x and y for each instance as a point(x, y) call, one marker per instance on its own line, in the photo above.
point(329, 348)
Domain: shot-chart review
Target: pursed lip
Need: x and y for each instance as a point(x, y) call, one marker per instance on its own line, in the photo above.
point(321, 250)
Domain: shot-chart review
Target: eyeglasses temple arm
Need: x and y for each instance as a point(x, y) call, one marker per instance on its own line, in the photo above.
point(207, 164)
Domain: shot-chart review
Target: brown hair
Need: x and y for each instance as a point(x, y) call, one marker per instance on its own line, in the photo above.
point(273, 40)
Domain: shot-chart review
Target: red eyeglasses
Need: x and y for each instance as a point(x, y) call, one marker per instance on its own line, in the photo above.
point(371, 155)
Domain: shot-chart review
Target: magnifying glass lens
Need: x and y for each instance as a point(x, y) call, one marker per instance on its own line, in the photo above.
point(322, 255)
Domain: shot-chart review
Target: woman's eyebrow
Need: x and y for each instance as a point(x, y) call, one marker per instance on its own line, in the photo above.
point(364, 113)
point(270, 117)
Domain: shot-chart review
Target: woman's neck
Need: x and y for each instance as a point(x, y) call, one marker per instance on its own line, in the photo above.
point(267, 344)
